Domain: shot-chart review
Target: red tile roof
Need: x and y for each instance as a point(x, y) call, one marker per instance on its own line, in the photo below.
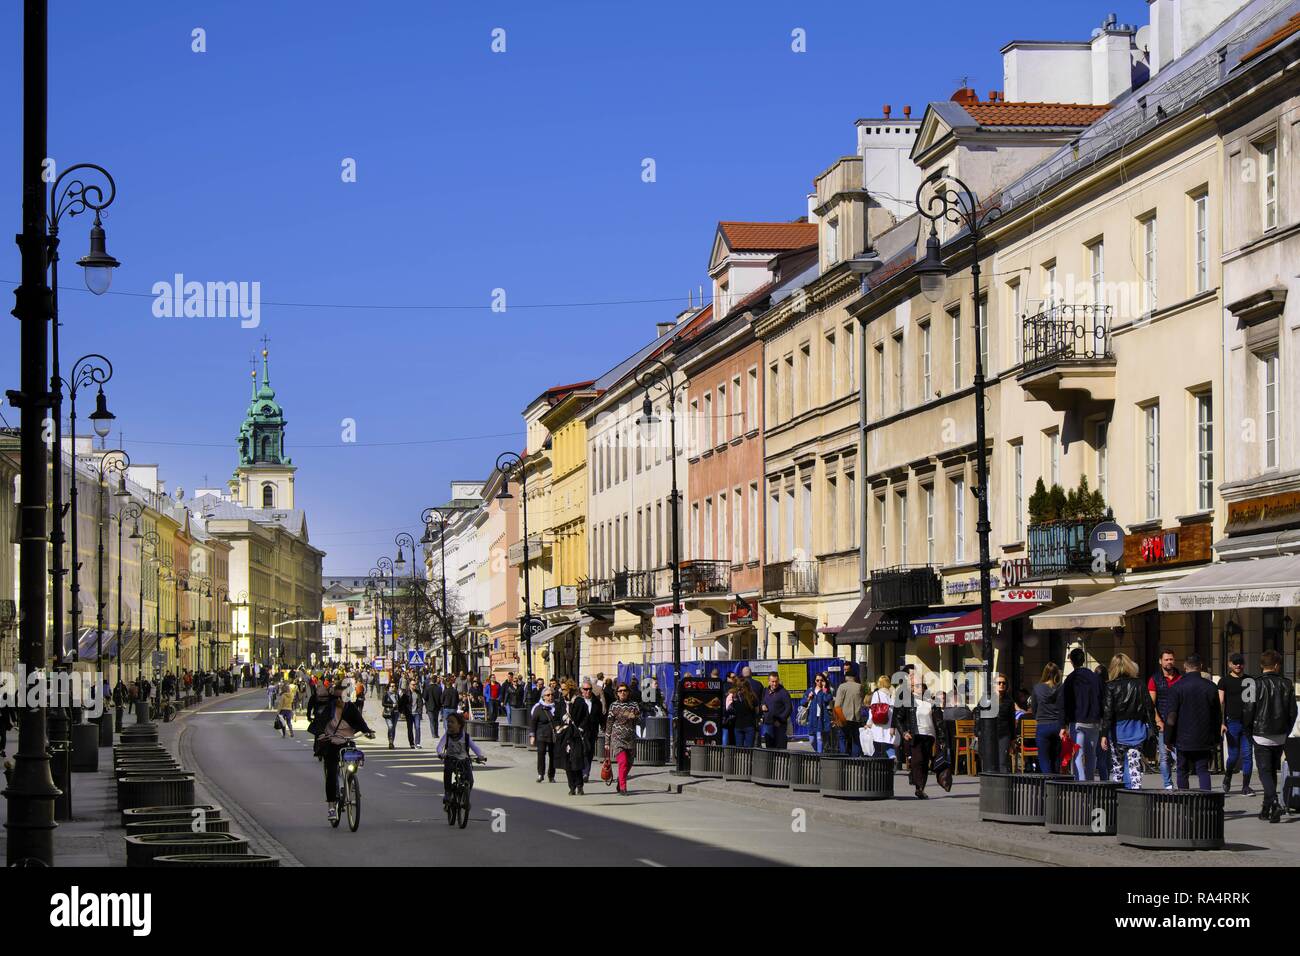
point(691, 327)
point(768, 236)
point(559, 391)
point(1035, 114)
point(1287, 29)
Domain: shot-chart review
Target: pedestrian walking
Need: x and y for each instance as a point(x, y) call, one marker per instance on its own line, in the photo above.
point(1008, 714)
point(543, 720)
point(390, 714)
point(847, 713)
point(777, 711)
point(417, 712)
point(882, 732)
point(1045, 706)
point(923, 720)
point(1194, 718)
point(1269, 715)
point(1160, 687)
point(284, 706)
point(817, 707)
point(1235, 732)
point(571, 740)
point(620, 733)
point(593, 723)
point(744, 714)
point(1082, 705)
point(1128, 720)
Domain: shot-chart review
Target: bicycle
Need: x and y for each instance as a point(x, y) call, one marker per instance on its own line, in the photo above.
point(457, 800)
point(348, 789)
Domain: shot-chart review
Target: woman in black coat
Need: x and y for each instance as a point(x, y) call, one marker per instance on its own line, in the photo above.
point(571, 747)
point(543, 722)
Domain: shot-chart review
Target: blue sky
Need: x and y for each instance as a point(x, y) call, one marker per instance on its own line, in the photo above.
point(475, 171)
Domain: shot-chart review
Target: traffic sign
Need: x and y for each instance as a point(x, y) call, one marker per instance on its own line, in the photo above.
point(159, 660)
point(415, 658)
point(536, 625)
point(387, 627)
point(377, 663)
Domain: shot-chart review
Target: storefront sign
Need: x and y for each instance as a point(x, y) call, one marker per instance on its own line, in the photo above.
point(1036, 595)
point(701, 709)
point(1262, 514)
point(663, 610)
point(1231, 599)
point(1014, 570)
point(968, 585)
point(741, 614)
point(1187, 544)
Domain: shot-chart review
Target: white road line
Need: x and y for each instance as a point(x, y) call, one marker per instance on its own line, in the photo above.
point(378, 774)
point(567, 836)
point(407, 783)
point(642, 859)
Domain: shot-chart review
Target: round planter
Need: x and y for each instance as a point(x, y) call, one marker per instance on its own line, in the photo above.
point(174, 825)
point(651, 752)
point(136, 767)
point(770, 768)
point(737, 763)
point(519, 717)
point(805, 771)
point(1170, 819)
point(155, 791)
point(1086, 807)
point(707, 760)
point(141, 850)
point(483, 730)
point(1014, 797)
point(85, 748)
point(181, 812)
point(106, 729)
point(857, 778)
point(656, 728)
point(215, 859)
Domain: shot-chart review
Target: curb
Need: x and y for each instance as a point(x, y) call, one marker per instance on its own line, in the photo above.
point(239, 817)
point(919, 831)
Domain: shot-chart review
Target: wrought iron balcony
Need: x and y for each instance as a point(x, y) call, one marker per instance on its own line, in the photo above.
point(596, 593)
point(1067, 354)
point(634, 585)
point(705, 577)
point(1057, 548)
point(789, 579)
point(903, 586)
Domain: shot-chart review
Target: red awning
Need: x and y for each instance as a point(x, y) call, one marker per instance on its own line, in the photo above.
point(967, 628)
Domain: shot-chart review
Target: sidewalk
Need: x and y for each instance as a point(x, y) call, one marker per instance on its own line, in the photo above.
point(953, 819)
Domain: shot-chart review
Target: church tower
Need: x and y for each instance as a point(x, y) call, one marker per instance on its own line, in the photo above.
point(264, 478)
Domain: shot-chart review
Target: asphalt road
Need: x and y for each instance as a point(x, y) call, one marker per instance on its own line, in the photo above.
point(280, 784)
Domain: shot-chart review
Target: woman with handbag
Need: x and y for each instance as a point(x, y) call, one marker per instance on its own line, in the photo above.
point(923, 721)
point(547, 715)
point(620, 736)
point(815, 713)
point(881, 732)
point(571, 739)
point(390, 715)
point(744, 711)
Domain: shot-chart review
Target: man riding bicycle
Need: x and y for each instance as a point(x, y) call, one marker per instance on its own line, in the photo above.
point(335, 728)
point(455, 746)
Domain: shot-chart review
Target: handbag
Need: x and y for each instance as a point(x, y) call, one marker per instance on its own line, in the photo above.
point(606, 772)
point(942, 768)
point(837, 716)
point(802, 716)
point(279, 724)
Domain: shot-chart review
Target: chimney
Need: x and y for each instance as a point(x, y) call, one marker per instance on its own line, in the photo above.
point(886, 111)
point(907, 112)
point(1114, 56)
point(663, 328)
point(1178, 25)
point(965, 96)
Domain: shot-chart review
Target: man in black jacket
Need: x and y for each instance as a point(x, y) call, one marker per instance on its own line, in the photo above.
point(1269, 716)
point(1193, 722)
point(1081, 695)
point(777, 708)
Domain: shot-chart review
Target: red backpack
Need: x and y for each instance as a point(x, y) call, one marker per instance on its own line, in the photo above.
point(880, 714)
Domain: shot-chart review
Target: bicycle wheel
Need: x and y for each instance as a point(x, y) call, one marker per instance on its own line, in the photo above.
point(338, 803)
point(453, 804)
point(354, 803)
point(464, 808)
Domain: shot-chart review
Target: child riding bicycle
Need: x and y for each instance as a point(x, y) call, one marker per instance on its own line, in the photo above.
point(454, 746)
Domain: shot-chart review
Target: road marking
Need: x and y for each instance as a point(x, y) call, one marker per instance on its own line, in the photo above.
point(650, 863)
point(407, 783)
point(378, 774)
point(568, 836)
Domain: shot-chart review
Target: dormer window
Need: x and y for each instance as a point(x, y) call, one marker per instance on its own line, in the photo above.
point(832, 241)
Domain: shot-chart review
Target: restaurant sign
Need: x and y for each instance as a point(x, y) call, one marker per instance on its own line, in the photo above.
point(1188, 544)
point(1264, 514)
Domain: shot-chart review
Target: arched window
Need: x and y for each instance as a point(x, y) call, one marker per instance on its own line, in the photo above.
point(266, 447)
point(268, 495)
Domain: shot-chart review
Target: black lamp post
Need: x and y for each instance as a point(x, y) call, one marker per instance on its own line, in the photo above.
point(150, 540)
point(130, 511)
point(663, 378)
point(113, 461)
point(241, 600)
point(427, 517)
point(505, 462)
point(954, 202)
point(384, 568)
point(404, 539)
point(203, 589)
point(220, 599)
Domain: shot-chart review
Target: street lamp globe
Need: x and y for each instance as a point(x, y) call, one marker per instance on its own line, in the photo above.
point(101, 417)
point(99, 265)
point(933, 273)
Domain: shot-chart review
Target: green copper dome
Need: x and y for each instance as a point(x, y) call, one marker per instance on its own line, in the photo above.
point(261, 435)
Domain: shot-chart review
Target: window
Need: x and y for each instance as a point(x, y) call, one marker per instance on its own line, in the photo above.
point(1049, 284)
point(724, 422)
point(695, 427)
point(883, 508)
point(659, 534)
point(722, 526)
point(850, 358)
point(902, 528)
point(774, 526)
point(737, 425)
point(789, 521)
point(830, 371)
point(773, 393)
point(959, 520)
point(1201, 242)
point(805, 516)
point(954, 318)
point(928, 494)
point(753, 521)
point(751, 400)
point(880, 378)
point(268, 495)
point(625, 541)
point(787, 395)
point(829, 502)
point(1205, 451)
point(1018, 488)
point(832, 241)
point(638, 451)
point(982, 323)
point(898, 368)
point(805, 375)
point(927, 391)
point(695, 529)
point(1054, 457)
point(1103, 454)
point(1270, 370)
point(1017, 324)
point(1268, 183)
point(640, 538)
point(1097, 271)
point(658, 433)
point(707, 421)
point(737, 537)
point(1149, 263)
point(1151, 419)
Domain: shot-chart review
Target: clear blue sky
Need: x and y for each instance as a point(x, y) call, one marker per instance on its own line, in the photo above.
point(475, 171)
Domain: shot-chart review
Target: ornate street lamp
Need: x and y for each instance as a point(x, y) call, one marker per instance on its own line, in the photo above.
point(110, 462)
point(128, 511)
point(427, 518)
point(506, 462)
point(952, 201)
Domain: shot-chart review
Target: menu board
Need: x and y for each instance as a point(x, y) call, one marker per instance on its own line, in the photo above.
point(701, 709)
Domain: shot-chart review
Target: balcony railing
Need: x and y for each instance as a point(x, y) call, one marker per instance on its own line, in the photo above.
point(634, 585)
point(1065, 334)
point(595, 593)
point(706, 577)
point(790, 579)
point(917, 586)
point(1059, 547)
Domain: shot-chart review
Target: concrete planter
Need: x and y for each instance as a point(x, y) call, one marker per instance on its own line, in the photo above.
point(770, 768)
point(141, 850)
point(707, 761)
point(215, 859)
point(1014, 797)
point(651, 752)
point(85, 748)
point(738, 763)
point(805, 771)
point(155, 791)
point(656, 728)
point(1170, 819)
point(1086, 807)
point(483, 730)
point(174, 825)
point(857, 778)
point(181, 812)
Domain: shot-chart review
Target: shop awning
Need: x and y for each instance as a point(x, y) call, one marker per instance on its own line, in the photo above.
point(721, 634)
point(866, 625)
point(927, 623)
point(551, 633)
point(1262, 582)
point(967, 629)
point(1107, 609)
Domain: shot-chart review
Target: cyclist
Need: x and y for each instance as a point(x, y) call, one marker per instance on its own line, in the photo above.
point(334, 730)
point(455, 745)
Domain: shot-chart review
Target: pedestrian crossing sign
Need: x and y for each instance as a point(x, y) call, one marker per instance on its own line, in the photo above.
point(415, 658)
